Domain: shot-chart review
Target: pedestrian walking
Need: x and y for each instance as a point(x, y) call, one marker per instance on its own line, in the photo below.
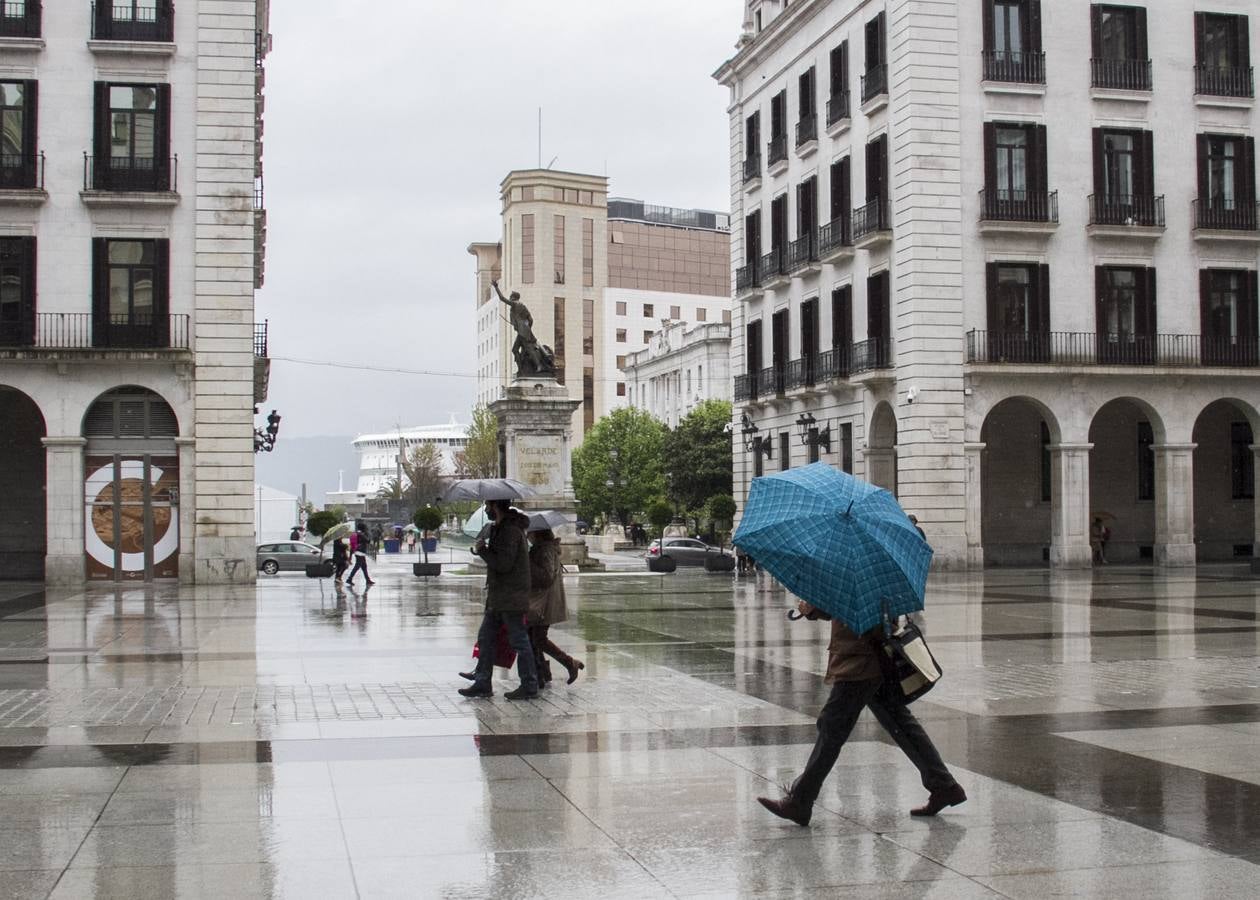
point(547, 605)
point(340, 559)
point(857, 680)
point(1099, 535)
point(360, 547)
point(506, 554)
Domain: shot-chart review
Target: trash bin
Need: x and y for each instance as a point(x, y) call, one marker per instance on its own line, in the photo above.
point(392, 545)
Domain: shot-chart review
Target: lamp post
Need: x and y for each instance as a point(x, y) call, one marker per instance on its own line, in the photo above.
point(265, 439)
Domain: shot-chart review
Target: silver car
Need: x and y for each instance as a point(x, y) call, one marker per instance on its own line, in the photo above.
point(286, 556)
point(684, 551)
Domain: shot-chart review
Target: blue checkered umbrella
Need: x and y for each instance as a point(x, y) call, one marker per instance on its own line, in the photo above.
point(837, 542)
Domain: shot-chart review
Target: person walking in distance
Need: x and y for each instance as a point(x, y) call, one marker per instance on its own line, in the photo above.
point(547, 605)
point(506, 553)
point(360, 548)
point(857, 681)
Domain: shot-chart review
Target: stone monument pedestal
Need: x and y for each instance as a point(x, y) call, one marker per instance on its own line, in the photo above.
point(535, 419)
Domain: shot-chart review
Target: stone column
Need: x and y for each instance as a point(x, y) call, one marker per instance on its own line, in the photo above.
point(881, 467)
point(973, 455)
point(1255, 452)
point(1174, 504)
point(64, 563)
point(187, 509)
point(1069, 508)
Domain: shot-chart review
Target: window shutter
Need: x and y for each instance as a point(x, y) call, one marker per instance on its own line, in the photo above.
point(30, 125)
point(1147, 320)
point(163, 137)
point(1249, 171)
point(1244, 42)
point(29, 293)
point(991, 293)
point(1043, 299)
point(988, 40)
point(1040, 166)
point(103, 12)
point(1146, 172)
point(844, 67)
point(1099, 160)
point(846, 186)
point(1100, 296)
point(100, 292)
point(1200, 27)
point(1203, 170)
point(990, 155)
point(1139, 19)
point(1034, 26)
point(1251, 311)
point(162, 291)
point(883, 39)
point(1095, 30)
point(1205, 293)
point(100, 133)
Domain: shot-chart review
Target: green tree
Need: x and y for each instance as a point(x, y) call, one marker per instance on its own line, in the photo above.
point(321, 521)
point(480, 457)
point(699, 454)
point(423, 470)
point(617, 469)
point(392, 489)
point(660, 514)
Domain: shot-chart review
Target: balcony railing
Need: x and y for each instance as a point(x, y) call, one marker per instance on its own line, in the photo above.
point(802, 251)
point(875, 82)
point(745, 388)
point(1121, 74)
point(835, 234)
point(1135, 210)
point(22, 172)
point(1217, 82)
point(260, 339)
point(870, 218)
point(1019, 68)
point(133, 23)
point(1065, 348)
point(1236, 216)
point(773, 264)
point(771, 381)
point(154, 175)
point(1000, 205)
point(21, 19)
point(776, 150)
point(752, 167)
point(834, 364)
point(869, 355)
point(837, 108)
point(88, 331)
point(806, 129)
point(801, 372)
point(746, 278)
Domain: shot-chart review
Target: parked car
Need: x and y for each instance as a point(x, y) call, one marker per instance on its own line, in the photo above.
point(286, 556)
point(684, 551)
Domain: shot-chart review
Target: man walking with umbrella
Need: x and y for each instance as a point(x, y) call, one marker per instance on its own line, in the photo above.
point(847, 549)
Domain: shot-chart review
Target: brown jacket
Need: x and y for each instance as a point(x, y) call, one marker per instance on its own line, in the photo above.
point(546, 584)
point(850, 657)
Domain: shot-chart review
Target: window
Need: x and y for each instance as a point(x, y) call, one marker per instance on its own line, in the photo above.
point(838, 84)
point(807, 111)
point(1120, 59)
point(18, 135)
point(1227, 182)
point(726, 317)
point(1126, 315)
point(20, 18)
point(875, 81)
point(621, 307)
point(874, 216)
point(675, 312)
point(588, 252)
point(842, 329)
point(647, 336)
point(777, 150)
point(1242, 461)
point(752, 146)
point(557, 250)
point(17, 291)
point(132, 140)
point(588, 330)
point(1012, 41)
point(621, 335)
point(1015, 173)
point(527, 248)
point(1222, 55)
point(588, 398)
point(649, 310)
point(785, 451)
point(846, 447)
point(133, 20)
point(1228, 317)
point(779, 350)
point(702, 314)
point(805, 247)
point(557, 326)
point(1018, 312)
point(621, 362)
point(130, 289)
point(621, 388)
point(1124, 179)
point(878, 323)
point(752, 348)
point(1145, 461)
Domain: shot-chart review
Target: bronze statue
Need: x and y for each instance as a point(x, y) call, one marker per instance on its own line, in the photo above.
point(532, 358)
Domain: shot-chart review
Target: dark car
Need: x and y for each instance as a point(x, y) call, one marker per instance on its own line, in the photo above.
point(286, 556)
point(684, 551)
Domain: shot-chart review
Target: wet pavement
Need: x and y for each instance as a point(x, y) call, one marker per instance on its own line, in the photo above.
point(291, 741)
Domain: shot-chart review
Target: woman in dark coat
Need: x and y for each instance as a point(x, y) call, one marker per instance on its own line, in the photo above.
point(547, 605)
point(340, 559)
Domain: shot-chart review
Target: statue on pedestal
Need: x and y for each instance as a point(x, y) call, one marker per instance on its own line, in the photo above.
point(532, 358)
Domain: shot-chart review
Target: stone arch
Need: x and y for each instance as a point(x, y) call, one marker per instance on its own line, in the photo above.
point(881, 447)
point(137, 412)
point(1124, 488)
point(1016, 493)
point(1224, 480)
point(23, 482)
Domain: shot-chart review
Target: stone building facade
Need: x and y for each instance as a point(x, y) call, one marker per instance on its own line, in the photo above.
point(131, 239)
point(681, 368)
point(1002, 255)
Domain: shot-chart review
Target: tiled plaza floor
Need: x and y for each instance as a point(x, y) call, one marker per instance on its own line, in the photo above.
point(287, 741)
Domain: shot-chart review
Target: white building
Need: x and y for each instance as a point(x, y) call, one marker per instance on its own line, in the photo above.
point(379, 456)
point(275, 514)
point(130, 249)
point(680, 369)
point(949, 219)
point(598, 275)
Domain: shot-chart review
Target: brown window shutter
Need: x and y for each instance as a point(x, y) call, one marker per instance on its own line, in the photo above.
point(1100, 294)
point(988, 42)
point(1205, 292)
point(1203, 169)
point(1040, 165)
point(162, 291)
point(1200, 27)
point(1248, 162)
point(100, 134)
point(1147, 319)
point(1034, 26)
point(30, 124)
point(1043, 299)
point(1099, 158)
point(1244, 42)
point(100, 292)
point(991, 296)
point(990, 155)
point(1146, 163)
point(162, 139)
point(1095, 30)
point(1139, 16)
point(29, 292)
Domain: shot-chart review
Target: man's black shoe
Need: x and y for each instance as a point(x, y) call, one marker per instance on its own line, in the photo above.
point(788, 808)
point(474, 690)
point(519, 694)
point(938, 800)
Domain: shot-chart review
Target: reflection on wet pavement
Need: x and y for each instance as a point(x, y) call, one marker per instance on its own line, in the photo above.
point(293, 741)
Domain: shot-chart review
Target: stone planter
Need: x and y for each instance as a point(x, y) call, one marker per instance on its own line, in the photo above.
point(321, 569)
point(424, 570)
point(716, 562)
point(661, 564)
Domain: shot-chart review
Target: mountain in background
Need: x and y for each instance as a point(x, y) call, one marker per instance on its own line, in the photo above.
point(313, 460)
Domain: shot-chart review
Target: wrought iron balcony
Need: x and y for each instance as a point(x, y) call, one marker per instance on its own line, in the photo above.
point(837, 108)
point(746, 278)
point(260, 339)
point(771, 381)
point(752, 167)
point(1001, 205)
point(776, 150)
point(22, 172)
point(88, 331)
point(1213, 81)
point(1120, 74)
point(1063, 348)
point(125, 22)
point(806, 129)
point(21, 20)
point(834, 364)
point(745, 388)
point(869, 355)
point(835, 236)
point(1233, 216)
point(802, 251)
point(773, 266)
point(870, 218)
point(133, 175)
point(1018, 68)
point(1131, 210)
point(875, 82)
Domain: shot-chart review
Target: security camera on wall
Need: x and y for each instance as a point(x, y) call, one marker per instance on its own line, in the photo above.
point(912, 394)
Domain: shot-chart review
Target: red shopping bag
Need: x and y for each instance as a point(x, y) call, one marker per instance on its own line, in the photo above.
point(504, 655)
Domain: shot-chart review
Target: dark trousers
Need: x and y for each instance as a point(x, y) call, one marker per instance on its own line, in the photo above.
point(835, 724)
point(360, 565)
point(518, 640)
point(543, 647)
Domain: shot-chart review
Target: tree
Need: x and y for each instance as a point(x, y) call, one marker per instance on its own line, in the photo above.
point(428, 519)
point(699, 454)
point(392, 489)
point(423, 470)
point(480, 457)
point(321, 521)
point(617, 469)
point(660, 514)
point(721, 509)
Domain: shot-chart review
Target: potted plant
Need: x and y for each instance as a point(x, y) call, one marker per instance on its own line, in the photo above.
point(316, 525)
point(428, 519)
point(722, 512)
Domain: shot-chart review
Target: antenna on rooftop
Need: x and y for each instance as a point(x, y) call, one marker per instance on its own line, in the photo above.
point(553, 161)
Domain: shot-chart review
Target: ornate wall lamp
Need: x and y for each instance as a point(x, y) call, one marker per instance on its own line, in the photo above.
point(753, 442)
point(810, 434)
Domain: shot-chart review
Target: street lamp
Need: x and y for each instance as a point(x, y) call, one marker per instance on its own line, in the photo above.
point(809, 433)
point(265, 439)
point(752, 442)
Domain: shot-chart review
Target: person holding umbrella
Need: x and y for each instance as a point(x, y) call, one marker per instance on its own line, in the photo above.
point(849, 551)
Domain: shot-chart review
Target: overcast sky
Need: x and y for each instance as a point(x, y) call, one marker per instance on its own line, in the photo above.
point(388, 129)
